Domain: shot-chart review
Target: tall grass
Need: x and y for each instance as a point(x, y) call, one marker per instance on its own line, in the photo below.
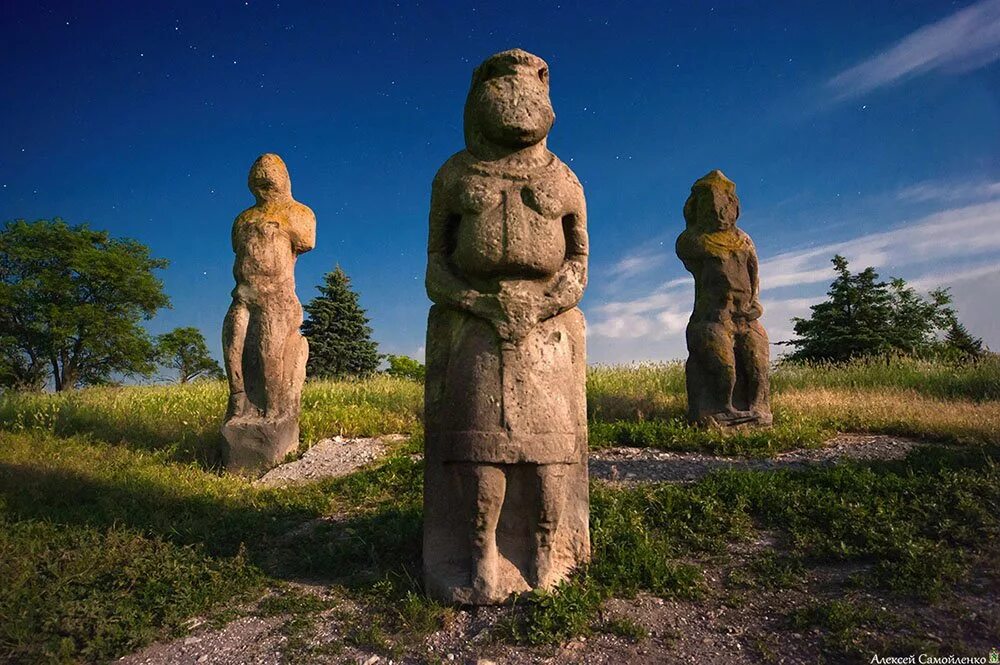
point(657, 389)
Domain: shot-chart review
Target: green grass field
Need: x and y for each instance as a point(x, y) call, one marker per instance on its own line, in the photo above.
point(116, 528)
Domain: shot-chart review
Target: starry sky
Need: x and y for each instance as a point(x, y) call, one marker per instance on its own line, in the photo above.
point(866, 128)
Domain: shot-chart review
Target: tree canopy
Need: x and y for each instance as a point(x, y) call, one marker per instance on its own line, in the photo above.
point(336, 326)
point(405, 367)
point(71, 303)
point(184, 351)
point(863, 316)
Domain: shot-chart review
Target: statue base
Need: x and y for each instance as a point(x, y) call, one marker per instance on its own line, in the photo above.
point(253, 445)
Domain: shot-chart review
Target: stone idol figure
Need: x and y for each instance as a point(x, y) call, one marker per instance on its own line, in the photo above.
point(505, 494)
point(265, 354)
point(728, 358)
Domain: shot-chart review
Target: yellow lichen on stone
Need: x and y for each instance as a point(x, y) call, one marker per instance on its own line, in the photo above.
point(716, 178)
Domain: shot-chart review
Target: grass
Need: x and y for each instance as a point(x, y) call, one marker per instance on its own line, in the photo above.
point(182, 422)
point(103, 548)
point(644, 405)
point(106, 548)
point(115, 528)
point(843, 623)
point(637, 405)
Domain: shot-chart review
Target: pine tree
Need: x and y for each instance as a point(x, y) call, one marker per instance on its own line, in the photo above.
point(340, 343)
point(961, 341)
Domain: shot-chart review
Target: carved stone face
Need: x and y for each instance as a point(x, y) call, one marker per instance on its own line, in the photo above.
point(508, 104)
point(713, 205)
point(269, 178)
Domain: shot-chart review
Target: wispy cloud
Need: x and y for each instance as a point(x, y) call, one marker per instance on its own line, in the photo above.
point(635, 264)
point(924, 192)
point(950, 234)
point(967, 39)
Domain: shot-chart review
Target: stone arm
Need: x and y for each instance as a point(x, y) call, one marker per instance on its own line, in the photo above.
point(444, 287)
point(565, 289)
point(689, 252)
point(302, 229)
point(753, 270)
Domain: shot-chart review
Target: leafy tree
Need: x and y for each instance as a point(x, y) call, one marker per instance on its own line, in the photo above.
point(71, 301)
point(184, 350)
point(866, 317)
point(405, 367)
point(339, 336)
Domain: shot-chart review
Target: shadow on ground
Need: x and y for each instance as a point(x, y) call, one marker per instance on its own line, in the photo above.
point(287, 538)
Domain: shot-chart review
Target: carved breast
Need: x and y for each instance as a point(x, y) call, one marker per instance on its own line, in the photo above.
point(509, 229)
point(264, 250)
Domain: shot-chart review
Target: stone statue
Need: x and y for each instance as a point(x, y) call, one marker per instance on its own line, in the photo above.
point(505, 497)
point(728, 358)
point(265, 354)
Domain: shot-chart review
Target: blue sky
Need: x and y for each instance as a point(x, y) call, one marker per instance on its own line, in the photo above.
point(870, 129)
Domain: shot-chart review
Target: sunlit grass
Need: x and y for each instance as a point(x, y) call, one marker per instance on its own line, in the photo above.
point(182, 421)
point(642, 405)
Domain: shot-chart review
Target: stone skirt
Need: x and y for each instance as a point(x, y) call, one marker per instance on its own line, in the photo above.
point(493, 402)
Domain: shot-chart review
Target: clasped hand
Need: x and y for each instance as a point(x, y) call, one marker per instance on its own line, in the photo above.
point(514, 311)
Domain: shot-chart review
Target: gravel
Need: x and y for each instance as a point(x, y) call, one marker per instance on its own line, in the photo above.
point(330, 458)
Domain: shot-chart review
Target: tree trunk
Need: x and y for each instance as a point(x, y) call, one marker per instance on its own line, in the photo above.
point(56, 374)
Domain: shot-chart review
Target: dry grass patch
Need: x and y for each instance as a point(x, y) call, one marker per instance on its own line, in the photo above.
point(902, 412)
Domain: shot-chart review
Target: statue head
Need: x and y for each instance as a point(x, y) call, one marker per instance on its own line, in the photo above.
point(712, 205)
point(268, 179)
point(508, 106)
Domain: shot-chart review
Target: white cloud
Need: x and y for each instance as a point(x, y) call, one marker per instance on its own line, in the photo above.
point(967, 39)
point(638, 263)
point(923, 192)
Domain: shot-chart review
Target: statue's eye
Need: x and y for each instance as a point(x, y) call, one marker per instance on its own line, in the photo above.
point(543, 74)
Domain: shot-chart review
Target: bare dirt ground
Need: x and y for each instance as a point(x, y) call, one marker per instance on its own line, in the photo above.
point(731, 623)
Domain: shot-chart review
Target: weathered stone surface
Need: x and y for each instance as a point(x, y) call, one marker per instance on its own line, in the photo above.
point(505, 499)
point(728, 356)
point(265, 354)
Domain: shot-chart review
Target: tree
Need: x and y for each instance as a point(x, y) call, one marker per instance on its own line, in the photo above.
point(18, 371)
point(339, 336)
point(958, 340)
point(184, 350)
point(71, 301)
point(866, 317)
point(405, 367)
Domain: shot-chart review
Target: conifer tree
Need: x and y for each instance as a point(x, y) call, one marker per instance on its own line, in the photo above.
point(960, 340)
point(336, 326)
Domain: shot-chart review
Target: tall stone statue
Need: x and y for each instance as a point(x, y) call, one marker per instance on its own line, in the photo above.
point(265, 354)
point(728, 358)
point(505, 495)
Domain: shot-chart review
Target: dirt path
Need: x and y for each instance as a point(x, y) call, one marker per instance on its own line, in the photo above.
point(629, 465)
point(339, 456)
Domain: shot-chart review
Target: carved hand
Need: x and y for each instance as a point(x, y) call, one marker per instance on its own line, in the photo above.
point(522, 306)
